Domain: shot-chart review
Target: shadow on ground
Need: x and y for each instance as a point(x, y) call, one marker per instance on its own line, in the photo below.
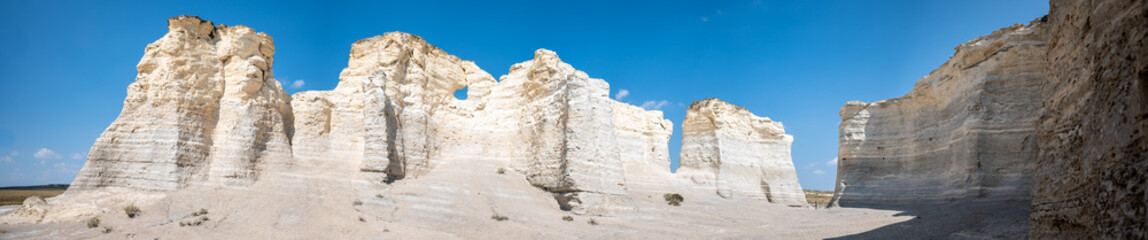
point(970, 219)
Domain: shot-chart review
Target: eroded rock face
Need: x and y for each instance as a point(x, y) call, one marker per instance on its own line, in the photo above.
point(204, 107)
point(1090, 177)
point(740, 154)
point(394, 111)
point(965, 131)
point(643, 135)
point(565, 117)
point(32, 211)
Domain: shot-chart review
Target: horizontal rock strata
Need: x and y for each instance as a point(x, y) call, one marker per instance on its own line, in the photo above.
point(740, 154)
point(204, 107)
point(965, 131)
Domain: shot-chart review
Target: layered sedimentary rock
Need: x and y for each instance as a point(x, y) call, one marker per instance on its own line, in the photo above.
point(739, 153)
point(204, 107)
point(388, 114)
point(1091, 179)
point(565, 119)
point(643, 135)
point(965, 130)
point(394, 111)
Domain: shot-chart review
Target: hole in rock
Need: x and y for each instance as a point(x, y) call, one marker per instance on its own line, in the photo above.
point(460, 94)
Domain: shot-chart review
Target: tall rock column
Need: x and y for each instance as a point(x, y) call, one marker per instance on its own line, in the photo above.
point(204, 95)
point(566, 123)
point(255, 119)
point(740, 154)
point(1092, 172)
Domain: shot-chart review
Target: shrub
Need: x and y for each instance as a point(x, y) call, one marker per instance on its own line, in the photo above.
point(567, 218)
point(361, 219)
point(357, 203)
point(501, 171)
point(499, 217)
point(132, 211)
point(200, 212)
point(674, 199)
point(592, 222)
point(93, 223)
point(107, 229)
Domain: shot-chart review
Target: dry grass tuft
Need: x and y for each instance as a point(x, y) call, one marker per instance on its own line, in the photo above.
point(132, 211)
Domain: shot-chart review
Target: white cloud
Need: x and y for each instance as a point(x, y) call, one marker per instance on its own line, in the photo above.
point(5, 159)
point(818, 172)
point(621, 94)
point(811, 165)
point(14, 153)
point(46, 153)
point(832, 162)
point(298, 83)
point(652, 105)
point(77, 156)
point(705, 19)
point(720, 12)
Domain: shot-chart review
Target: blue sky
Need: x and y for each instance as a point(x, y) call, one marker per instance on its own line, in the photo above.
point(65, 66)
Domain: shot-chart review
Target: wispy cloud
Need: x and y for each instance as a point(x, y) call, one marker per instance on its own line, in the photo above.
point(705, 19)
point(298, 83)
point(818, 172)
point(832, 162)
point(621, 94)
point(720, 12)
point(6, 159)
point(655, 105)
point(46, 153)
point(78, 156)
point(15, 153)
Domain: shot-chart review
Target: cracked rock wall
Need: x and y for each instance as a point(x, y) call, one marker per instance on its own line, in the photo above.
point(1091, 171)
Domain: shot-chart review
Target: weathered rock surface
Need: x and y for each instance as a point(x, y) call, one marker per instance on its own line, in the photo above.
point(394, 111)
point(204, 107)
point(740, 154)
point(206, 112)
point(32, 211)
point(643, 135)
point(391, 112)
point(1092, 171)
point(965, 131)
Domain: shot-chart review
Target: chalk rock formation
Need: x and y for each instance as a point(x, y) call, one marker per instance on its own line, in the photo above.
point(388, 114)
point(739, 153)
point(204, 106)
point(643, 135)
point(965, 130)
point(32, 211)
point(394, 112)
point(1091, 179)
point(563, 136)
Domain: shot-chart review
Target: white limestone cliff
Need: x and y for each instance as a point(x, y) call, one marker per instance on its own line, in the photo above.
point(205, 107)
point(964, 131)
point(738, 153)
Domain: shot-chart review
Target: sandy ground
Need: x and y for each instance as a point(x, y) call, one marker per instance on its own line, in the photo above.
point(457, 201)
